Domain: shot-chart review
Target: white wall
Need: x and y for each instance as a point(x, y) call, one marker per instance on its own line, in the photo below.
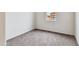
point(65, 23)
point(2, 28)
point(18, 23)
point(77, 27)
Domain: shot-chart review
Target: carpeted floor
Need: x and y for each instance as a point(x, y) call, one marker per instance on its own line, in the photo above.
point(42, 38)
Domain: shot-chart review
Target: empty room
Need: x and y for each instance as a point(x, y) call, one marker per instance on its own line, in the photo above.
point(40, 29)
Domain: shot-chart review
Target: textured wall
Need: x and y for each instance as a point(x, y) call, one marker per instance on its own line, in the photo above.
point(65, 22)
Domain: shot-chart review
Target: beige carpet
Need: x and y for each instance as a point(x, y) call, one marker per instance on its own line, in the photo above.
point(42, 38)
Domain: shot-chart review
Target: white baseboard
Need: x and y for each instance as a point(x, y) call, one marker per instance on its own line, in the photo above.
point(42, 28)
point(30, 29)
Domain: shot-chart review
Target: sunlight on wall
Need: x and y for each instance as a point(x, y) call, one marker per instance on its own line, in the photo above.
point(51, 16)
